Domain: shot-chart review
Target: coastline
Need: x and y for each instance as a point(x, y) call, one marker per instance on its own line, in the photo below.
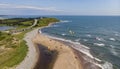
point(66, 59)
point(86, 60)
point(36, 41)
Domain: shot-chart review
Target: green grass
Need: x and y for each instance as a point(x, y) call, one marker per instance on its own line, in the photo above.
point(14, 57)
point(15, 53)
point(46, 21)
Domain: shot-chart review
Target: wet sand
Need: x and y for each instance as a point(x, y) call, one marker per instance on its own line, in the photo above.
point(86, 64)
point(48, 53)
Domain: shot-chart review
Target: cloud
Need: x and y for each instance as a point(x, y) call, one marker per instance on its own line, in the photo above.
point(12, 6)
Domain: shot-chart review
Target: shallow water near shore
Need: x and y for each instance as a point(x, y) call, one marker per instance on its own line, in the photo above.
point(98, 33)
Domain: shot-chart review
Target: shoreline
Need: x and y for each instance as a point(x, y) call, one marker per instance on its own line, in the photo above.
point(85, 60)
point(33, 57)
point(88, 61)
point(64, 56)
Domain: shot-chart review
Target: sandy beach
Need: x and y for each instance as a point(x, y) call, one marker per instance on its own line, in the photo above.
point(65, 57)
point(47, 53)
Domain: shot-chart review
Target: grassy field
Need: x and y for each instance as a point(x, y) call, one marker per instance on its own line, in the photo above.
point(13, 48)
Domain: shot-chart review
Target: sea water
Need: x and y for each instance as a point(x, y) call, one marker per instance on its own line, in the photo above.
point(101, 34)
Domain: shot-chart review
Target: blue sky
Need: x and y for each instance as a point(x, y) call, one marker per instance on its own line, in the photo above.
point(59, 7)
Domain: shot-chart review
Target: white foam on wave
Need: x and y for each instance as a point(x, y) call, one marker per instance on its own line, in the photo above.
point(88, 35)
point(85, 50)
point(65, 21)
point(113, 51)
point(99, 44)
point(99, 39)
point(63, 34)
point(107, 65)
point(55, 25)
point(116, 33)
point(112, 39)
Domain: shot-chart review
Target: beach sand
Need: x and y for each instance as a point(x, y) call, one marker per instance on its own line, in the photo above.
point(47, 53)
point(64, 58)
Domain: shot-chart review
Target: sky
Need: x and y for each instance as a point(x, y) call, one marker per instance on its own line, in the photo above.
point(59, 7)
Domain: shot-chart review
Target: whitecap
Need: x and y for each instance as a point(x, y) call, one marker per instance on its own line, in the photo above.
point(99, 39)
point(55, 25)
point(112, 39)
point(88, 35)
point(63, 34)
point(65, 21)
point(113, 51)
point(99, 44)
point(116, 33)
point(107, 65)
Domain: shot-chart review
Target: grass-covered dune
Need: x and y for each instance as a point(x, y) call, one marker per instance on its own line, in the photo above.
point(46, 21)
point(13, 48)
point(17, 22)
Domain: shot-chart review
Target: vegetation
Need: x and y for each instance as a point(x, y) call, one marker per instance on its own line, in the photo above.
point(19, 23)
point(13, 48)
point(15, 21)
point(46, 21)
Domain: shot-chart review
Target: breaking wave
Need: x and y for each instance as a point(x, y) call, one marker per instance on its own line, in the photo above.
point(99, 44)
point(65, 21)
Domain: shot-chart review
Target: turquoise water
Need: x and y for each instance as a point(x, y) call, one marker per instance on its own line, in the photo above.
point(100, 33)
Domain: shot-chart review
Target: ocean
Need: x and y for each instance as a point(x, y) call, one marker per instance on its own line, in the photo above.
point(101, 34)
point(96, 36)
